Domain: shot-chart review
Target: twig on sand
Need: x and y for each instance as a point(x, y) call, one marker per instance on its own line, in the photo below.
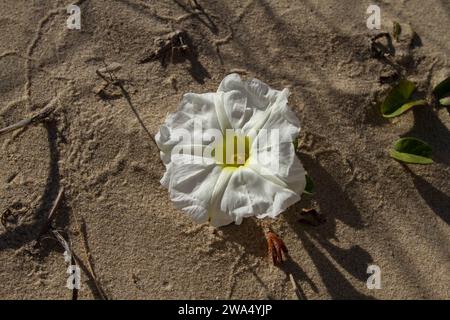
point(194, 5)
point(57, 235)
point(65, 244)
point(245, 10)
point(225, 40)
point(219, 42)
point(75, 260)
point(7, 53)
point(38, 117)
point(173, 43)
point(82, 230)
point(51, 215)
point(177, 19)
point(194, 9)
point(239, 71)
point(116, 82)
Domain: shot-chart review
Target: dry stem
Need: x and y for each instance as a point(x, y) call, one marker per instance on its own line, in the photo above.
point(39, 116)
point(87, 252)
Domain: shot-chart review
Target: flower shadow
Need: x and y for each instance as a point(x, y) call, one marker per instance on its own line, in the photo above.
point(336, 283)
point(333, 201)
point(334, 205)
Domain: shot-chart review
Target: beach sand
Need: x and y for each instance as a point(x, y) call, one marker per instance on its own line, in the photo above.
point(378, 211)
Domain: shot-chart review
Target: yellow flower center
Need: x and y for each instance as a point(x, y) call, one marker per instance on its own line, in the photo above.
point(233, 151)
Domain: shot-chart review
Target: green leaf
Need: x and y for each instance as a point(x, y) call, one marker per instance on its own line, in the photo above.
point(397, 100)
point(412, 150)
point(442, 90)
point(309, 188)
point(445, 101)
point(406, 107)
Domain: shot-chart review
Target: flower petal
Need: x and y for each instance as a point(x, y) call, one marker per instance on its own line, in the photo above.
point(221, 195)
point(249, 194)
point(217, 217)
point(273, 153)
point(245, 103)
point(197, 113)
point(190, 181)
point(283, 118)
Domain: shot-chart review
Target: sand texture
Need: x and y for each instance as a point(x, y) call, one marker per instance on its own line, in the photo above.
point(378, 211)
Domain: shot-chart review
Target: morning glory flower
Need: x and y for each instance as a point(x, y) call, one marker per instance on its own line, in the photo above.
point(229, 155)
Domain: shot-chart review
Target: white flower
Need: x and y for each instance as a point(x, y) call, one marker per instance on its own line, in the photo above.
point(263, 183)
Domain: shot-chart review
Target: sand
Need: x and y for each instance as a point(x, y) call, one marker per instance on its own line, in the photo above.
point(378, 211)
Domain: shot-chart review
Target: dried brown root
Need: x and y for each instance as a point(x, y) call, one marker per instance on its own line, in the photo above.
point(277, 248)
